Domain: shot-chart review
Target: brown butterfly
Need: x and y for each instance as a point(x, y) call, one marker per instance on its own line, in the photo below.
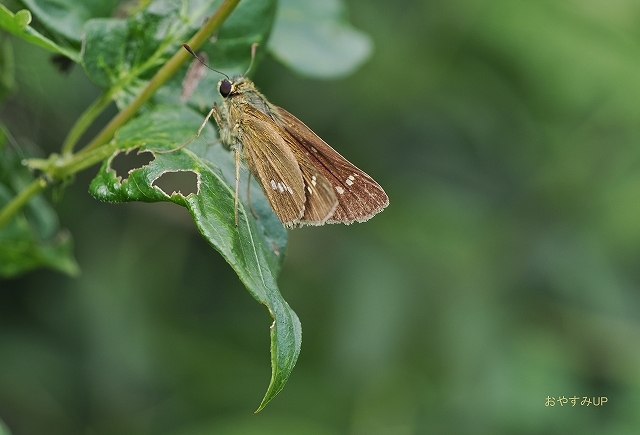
point(305, 180)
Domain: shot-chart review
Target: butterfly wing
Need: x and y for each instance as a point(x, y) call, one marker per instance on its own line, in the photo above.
point(273, 164)
point(296, 190)
point(321, 201)
point(359, 196)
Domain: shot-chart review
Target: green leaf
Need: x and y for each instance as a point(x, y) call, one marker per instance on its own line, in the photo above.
point(230, 52)
point(251, 22)
point(255, 248)
point(315, 39)
point(119, 50)
point(18, 25)
point(66, 17)
point(122, 54)
point(32, 238)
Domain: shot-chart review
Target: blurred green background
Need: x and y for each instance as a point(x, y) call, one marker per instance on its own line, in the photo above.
point(505, 270)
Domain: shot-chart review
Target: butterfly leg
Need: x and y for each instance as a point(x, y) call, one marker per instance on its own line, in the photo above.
point(237, 151)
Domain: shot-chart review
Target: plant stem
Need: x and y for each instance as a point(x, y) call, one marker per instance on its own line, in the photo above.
point(21, 199)
point(85, 120)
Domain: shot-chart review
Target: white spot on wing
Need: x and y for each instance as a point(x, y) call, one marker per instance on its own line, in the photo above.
point(280, 187)
point(349, 180)
point(273, 185)
point(310, 190)
point(340, 190)
point(313, 180)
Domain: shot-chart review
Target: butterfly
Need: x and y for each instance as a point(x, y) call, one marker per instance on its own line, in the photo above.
point(305, 180)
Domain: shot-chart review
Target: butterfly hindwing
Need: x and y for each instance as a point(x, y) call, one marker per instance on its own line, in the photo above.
point(359, 196)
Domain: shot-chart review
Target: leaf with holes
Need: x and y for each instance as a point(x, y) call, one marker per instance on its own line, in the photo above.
point(255, 248)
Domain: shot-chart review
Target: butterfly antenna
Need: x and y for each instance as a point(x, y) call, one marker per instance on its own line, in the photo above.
point(190, 50)
point(254, 47)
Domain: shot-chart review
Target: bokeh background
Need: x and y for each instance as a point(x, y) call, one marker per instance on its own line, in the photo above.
point(506, 269)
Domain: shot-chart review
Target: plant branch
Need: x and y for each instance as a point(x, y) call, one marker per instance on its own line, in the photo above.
point(85, 120)
point(21, 199)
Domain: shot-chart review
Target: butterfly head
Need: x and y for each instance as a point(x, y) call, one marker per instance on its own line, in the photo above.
point(228, 87)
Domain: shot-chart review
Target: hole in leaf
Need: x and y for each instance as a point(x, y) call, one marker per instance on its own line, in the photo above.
point(123, 163)
point(182, 182)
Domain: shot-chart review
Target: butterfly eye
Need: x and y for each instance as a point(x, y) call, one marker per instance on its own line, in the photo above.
point(225, 88)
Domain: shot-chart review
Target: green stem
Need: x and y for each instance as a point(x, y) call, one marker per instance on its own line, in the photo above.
point(21, 200)
point(97, 149)
point(85, 120)
point(213, 24)
point(71, 165)
point(84, 159)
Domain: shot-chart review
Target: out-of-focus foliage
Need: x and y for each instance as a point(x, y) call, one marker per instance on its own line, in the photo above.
point(34, 238)
point(504, 271)
point(316, 39)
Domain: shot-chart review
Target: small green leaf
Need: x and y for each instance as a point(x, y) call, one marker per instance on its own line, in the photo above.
point(23, 18)
point(32, 238)
point(254, 248)
point(18, 25)
point(66, 17)
point(315, 39)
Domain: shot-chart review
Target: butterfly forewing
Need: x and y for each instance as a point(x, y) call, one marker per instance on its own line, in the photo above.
point(273, 164)
point(359, 196)
point(279, 165)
